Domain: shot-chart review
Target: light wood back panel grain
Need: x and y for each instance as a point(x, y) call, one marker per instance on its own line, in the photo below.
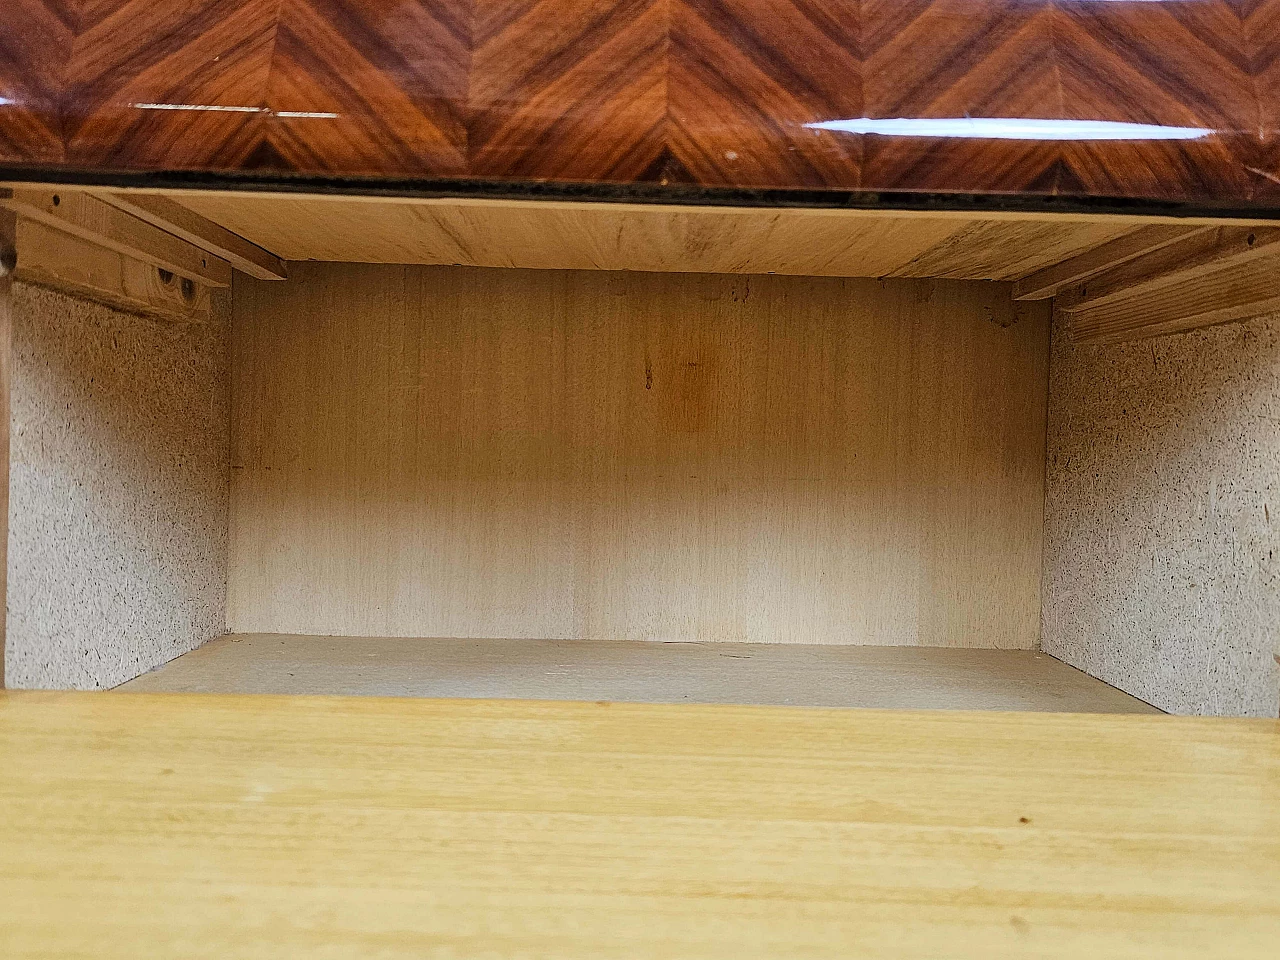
point(434, 451)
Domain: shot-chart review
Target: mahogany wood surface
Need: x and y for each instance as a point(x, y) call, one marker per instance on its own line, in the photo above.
point(713, 93)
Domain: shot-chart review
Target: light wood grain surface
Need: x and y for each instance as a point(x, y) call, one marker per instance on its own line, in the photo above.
point(626, 236)
point(176, 219)
point(85, 216)
point(220, 826)
point(1244, 290)
point(62, 261)
point(459, 452)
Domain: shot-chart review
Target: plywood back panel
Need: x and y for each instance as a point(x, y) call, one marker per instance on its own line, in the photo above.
point(435, 451)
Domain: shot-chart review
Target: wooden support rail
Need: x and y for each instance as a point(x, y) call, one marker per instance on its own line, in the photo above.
point(89, 218)
point(1048, 281)
point(1209, 277)
point(165, 214)
point(68, 263)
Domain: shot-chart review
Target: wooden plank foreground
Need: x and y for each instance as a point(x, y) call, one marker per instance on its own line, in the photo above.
point(259, 826)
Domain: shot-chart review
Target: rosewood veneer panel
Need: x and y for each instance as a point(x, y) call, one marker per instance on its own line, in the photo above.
point(1262, 29)
point(569, 89)
point(369, 87)
point(747, 75)
point(1182, 63)
point(959, 58)
point(712, 92)
point(211, 54)
point(35, 41)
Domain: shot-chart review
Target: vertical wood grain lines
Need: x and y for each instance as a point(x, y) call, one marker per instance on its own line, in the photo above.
point(710, 92)
point(439, 451)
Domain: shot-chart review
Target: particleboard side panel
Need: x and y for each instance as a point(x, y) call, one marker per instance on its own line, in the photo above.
point(1162, 561)
point(118, 494)
point(8, 259)
point(434, 451)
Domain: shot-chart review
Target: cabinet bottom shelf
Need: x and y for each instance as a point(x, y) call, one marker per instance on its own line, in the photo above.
point(902, 678)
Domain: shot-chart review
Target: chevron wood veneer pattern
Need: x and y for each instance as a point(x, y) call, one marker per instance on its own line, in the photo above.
point(710, 92)
point(960, 58)
point(747, 75)
point(1181, 64)
point(35, 41)
point(1262, 30)
point(568, 89)
point(129, 55)
point(369, 85)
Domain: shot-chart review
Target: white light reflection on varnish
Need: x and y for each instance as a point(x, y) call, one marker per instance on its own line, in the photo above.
point(995, 128)
point(203, 107)
point(218, 108)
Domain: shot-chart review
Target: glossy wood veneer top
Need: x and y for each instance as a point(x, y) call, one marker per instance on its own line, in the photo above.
point(716, 93)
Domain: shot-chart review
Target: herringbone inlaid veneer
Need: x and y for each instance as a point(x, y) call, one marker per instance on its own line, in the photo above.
point(724, 93)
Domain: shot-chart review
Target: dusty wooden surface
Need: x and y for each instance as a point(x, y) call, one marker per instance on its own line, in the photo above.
point(256, 826)
point(778, 674)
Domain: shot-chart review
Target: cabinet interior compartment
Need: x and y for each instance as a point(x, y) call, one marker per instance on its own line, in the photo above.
point(289, 443)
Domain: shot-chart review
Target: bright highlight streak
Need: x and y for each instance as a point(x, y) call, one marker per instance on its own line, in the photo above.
point(994, 128)
point(205, 107)
point(217, 108)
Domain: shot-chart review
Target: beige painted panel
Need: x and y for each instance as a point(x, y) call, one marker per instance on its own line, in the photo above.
point(451, 452)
